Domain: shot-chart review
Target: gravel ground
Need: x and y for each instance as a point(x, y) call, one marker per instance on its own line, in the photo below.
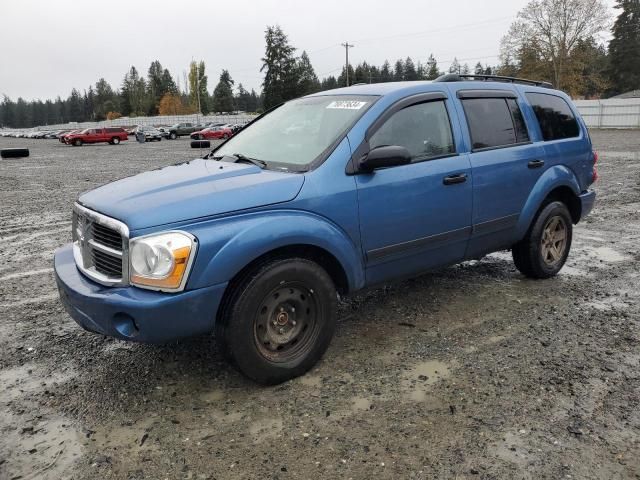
point(470, 372)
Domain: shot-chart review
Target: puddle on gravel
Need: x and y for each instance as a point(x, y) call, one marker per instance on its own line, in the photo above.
point(606, 254)
point(423, 375)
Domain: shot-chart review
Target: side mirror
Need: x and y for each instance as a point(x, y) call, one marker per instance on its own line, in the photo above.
point(384, 157)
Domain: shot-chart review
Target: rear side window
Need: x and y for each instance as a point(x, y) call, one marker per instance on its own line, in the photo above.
point(424, 129)
point(490, 122)
point(114, 130)
point(554, 116)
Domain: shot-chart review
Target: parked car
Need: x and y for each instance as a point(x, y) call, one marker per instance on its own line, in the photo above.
point(256, 240)
point(213, 133)
point(112, 135)
point(181, 129)
point(151, 134)
point(64, 135)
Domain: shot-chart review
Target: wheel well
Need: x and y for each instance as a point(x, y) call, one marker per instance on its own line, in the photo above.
point(570, 199)
point(310, 252)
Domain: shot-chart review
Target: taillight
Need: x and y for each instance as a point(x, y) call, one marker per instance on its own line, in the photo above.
point(594, 177)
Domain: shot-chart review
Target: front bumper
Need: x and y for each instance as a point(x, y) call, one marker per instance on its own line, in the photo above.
point(131, 313)
point(587, 200)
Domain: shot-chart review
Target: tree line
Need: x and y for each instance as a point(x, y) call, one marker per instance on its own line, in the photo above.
point(551, 40)
point(156, 94)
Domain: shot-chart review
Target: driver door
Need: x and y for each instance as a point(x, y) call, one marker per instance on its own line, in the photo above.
point(417, 216)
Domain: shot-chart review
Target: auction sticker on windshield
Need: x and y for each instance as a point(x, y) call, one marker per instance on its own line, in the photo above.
point(347, 104)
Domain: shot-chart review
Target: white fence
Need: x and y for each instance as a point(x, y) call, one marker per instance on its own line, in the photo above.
point(612, 113)
point(155, 121)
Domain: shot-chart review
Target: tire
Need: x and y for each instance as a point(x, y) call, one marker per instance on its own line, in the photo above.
point(225, 136)
point(173, 135)
point(278, 320)
point(115, 140)
point(544, 250)
point(77, 142)
point(200, 144)
point(14, 152)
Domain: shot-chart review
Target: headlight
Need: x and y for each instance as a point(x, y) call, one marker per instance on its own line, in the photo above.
point(162, 261)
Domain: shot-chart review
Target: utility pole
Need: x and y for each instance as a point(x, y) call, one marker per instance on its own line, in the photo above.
point(347, 47)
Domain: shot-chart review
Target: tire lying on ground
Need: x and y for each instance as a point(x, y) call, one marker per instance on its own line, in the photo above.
point(200, 144)
point(14, 152)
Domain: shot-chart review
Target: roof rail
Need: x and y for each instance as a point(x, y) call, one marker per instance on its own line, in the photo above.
point(453, 77)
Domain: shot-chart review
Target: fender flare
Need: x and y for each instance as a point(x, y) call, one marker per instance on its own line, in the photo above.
point(554, 177)
point(227, 246)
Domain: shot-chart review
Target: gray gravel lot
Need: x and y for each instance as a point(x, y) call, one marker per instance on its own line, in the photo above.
point(470, 372)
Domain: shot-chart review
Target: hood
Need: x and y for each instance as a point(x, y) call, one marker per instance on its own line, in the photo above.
point(190, 190)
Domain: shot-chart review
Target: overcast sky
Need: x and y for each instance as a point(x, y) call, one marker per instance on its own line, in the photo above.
point(49, 47)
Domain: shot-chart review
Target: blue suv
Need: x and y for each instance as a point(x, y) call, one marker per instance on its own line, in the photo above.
point(323, 196)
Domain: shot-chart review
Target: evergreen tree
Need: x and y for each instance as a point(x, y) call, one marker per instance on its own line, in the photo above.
point(279, 66)
point(479, 70)
point(432, 72)
point(624, 48)
point(455, 67)
point(168, 84)
point(409, 71)
point(398, 71)
point(307, 80)
point(223, 94)
point(342, 79)
point(386, 75)
point(75, 106)
point(154, 86)
point(329, 83)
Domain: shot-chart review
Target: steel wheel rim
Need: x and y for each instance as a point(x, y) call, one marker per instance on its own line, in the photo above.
point(286, 323)
point(554, 240)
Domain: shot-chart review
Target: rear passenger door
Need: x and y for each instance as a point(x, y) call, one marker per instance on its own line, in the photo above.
point(505, 163)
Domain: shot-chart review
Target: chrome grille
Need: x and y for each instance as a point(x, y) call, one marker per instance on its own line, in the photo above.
point(100, 246)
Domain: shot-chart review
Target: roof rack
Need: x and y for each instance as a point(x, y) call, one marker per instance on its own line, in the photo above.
point(453, 77)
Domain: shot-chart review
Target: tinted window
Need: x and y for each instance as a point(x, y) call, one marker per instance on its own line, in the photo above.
point(518, 121)
point(424, 129)
point(490, 122)
point(554, 116)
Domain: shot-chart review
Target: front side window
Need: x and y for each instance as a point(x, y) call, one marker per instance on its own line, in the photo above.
point(554, 116)
point(423, 129)
point(297, 133)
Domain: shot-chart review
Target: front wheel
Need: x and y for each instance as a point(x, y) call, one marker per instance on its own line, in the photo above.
point(173, 135)
point(77, 142)
point(544, 250)
point(278, 320)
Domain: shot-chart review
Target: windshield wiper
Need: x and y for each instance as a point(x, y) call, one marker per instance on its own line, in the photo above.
point(243, 158)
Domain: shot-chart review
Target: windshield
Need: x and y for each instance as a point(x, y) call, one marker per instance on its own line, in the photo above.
point(298, 132)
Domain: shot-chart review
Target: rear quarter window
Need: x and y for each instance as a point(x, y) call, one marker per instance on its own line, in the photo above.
point(554, 116)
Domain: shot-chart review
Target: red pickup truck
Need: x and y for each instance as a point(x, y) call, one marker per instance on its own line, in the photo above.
point(112, 135)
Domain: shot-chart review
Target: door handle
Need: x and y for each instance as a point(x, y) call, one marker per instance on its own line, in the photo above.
point(454, 179)
point(536, 163)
